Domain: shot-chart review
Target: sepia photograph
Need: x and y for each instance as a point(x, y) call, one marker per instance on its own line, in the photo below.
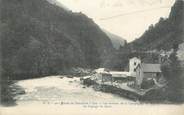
point(83, 56)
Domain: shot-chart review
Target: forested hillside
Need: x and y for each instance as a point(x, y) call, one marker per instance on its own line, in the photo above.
point(166, 32)
point(39, 38)
point(161, 36)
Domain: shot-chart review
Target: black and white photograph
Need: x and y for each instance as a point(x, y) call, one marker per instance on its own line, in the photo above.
point(66, 55)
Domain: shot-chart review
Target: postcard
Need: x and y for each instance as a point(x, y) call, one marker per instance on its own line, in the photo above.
point(103, 57)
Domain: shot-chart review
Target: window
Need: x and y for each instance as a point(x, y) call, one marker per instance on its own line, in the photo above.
point(134, 63)
point(134, 70)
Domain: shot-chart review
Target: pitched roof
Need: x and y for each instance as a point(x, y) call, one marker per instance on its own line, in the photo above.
point(152, 68)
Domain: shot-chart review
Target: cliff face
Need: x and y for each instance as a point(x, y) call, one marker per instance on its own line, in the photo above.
point(40, 38)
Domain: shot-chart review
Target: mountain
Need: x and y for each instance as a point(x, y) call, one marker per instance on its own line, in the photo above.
point(167, 35)
point(39, 38)
point(163, 34)
point(117, 41)
point(55, 2)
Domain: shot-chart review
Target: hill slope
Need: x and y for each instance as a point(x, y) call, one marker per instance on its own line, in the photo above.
point(165, 32)
point(162, 35)
point(39, 38)
point(116, 40)
point(55, 2)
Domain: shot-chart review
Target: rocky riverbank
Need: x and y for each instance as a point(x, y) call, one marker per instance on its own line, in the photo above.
point(9, 90)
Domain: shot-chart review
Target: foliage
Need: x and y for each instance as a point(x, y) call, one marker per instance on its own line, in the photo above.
point(174, 74)
point(39, 38)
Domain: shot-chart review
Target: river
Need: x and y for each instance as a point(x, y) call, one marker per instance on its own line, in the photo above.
point(55, 89)
point(59, 92)
point(57, 95)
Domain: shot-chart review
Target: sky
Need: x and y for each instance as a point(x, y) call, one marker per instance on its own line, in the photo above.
point(128, 19)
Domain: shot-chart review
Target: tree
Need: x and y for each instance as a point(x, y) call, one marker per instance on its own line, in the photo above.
point(173, 72)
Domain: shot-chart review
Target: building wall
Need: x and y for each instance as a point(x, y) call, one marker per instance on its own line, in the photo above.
point(133, 63)
point(139, 76)
point(151, 76)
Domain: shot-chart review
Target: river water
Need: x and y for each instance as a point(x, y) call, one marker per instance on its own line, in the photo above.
point(60, 89)
point(58, 95)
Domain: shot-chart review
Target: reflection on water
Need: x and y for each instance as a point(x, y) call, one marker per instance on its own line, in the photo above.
point(60, 89)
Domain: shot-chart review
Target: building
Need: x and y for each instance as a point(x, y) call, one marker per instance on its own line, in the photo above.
point(140, 75)
point(121, 76)
point(133, 63)
point(146, 72)
point(103, 75)
point(120, 73)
